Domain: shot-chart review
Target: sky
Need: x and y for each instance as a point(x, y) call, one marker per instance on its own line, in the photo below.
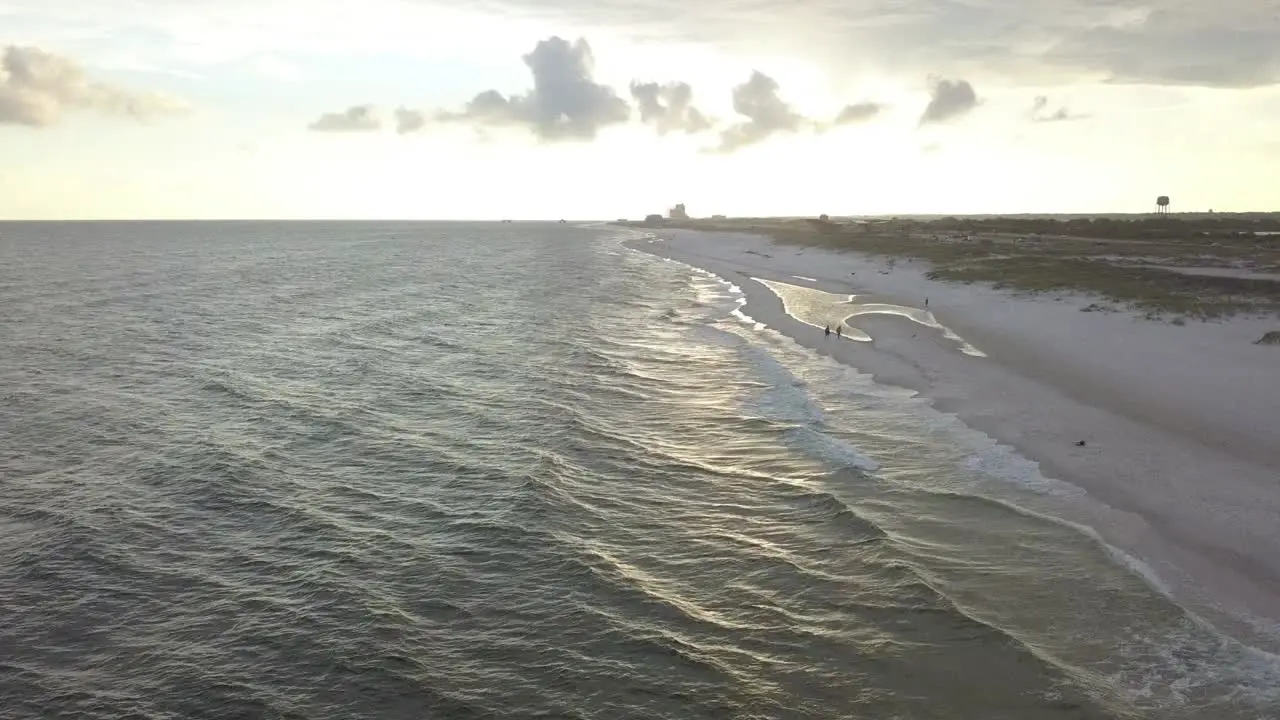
point(584, 109)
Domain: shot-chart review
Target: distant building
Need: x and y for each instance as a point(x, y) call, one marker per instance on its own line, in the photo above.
point(678, 212)
point(719, 217)
point(654, 219)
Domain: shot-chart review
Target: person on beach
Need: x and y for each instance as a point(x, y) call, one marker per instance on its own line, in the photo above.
point(839, 331)
point(926, 302)
point(827, 331)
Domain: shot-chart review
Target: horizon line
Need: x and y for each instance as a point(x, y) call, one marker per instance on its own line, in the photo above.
point(636, 219)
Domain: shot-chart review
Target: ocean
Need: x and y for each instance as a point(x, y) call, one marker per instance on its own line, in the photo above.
point(431, 470)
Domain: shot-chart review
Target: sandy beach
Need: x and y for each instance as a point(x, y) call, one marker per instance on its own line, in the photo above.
point(1180, 462)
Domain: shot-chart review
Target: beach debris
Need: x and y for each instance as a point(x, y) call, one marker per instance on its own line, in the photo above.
point(1271, 338)
point(1079, 443)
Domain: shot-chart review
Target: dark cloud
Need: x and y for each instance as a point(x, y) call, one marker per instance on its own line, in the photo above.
point(358, 118)
point(948, 99)
point(767, 113)
point(37, 88)
point(1225, 43)
point(669, 107)
point(858, 112)
point(565, 103)
point(1041, 105)
point(410, 121)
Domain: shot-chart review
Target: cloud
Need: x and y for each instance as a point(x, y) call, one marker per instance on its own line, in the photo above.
point(948, 99)
point(1222, 43)
point(565, 103)
point(767, 113)
point(1225, 43)
point(38, 87)
point(858, 112)
point(669, 107)
point(410, 121)
point(357, 118)
point(1041, 104)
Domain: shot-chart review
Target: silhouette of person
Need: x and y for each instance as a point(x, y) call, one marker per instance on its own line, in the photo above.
point(827, 331)
point(839, 331)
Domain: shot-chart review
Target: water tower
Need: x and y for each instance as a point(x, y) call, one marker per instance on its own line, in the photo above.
point(1162, 205)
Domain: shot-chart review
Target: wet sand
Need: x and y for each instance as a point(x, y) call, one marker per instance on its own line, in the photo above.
point(1181, 462)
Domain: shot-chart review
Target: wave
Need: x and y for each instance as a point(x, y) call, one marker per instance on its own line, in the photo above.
point(573, 507)
point(1253, 683)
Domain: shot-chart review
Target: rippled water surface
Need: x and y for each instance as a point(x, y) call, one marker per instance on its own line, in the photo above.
point(485, 471)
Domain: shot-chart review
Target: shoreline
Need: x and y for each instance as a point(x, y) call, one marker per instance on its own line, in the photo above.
point(1184, 477)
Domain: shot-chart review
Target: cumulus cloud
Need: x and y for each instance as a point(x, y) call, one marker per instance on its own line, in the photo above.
point(669, 107)
point(858, 112)
point(37, 88)
point(410, 121)
point(948, 99)
point(357, 118)
point(767, 113)
point(565, 103)
point(1041, 104)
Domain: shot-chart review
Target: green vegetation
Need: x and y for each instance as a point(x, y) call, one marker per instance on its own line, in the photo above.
point(1170, 267)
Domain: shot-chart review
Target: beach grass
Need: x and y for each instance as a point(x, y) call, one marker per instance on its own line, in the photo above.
point(1156, 277)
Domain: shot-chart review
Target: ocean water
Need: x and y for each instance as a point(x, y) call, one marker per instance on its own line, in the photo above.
point(398, 470)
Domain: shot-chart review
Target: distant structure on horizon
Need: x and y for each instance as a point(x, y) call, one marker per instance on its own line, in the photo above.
point(1162, 205)
point(678, 212)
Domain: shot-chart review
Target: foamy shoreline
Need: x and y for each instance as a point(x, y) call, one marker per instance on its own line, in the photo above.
point(1181, 464)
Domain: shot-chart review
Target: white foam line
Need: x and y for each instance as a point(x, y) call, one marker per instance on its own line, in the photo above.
point(1264, 663)
point(851, 333)
point(756, 325)
point(733, 289)
point(801, 277)
point(916, 315)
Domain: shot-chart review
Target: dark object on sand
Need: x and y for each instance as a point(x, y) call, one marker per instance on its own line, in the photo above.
point(1079, 443)
point(1271, 338)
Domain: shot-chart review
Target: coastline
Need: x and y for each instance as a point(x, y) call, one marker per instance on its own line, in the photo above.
point(1180, 469)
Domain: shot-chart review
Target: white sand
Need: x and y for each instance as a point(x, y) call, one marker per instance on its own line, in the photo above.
point(1182, 423)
